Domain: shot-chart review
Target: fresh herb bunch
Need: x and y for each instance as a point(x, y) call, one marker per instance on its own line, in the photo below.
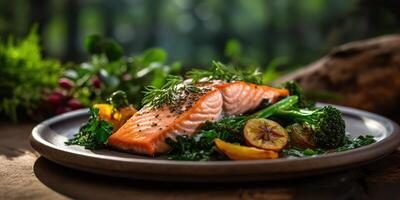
point(94, 134)
point(225, 72)
point(169, 94)
point(25, 76)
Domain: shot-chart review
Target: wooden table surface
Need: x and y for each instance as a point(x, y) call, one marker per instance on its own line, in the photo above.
point(26, 175)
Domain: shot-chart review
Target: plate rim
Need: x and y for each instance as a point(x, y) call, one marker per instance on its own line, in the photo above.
point(359, 155)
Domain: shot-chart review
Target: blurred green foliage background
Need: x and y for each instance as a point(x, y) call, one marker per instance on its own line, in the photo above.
point(57, 56)
point(196, 31)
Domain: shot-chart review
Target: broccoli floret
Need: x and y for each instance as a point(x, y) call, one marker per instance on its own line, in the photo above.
point(327, 124)
point(294, 89)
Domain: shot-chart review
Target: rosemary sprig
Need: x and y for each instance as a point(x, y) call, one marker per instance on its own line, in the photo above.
point(224, 72)
point(169, 94)
point(174, 90)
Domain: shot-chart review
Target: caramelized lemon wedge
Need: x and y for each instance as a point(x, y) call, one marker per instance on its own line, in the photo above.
point(265, 134)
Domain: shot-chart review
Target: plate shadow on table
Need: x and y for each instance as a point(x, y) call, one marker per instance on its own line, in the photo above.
point(350, 184)
point(14, 142)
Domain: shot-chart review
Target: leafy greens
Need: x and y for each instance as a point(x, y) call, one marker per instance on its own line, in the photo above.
point(94, 134)
point(356, 143)
point(348, 145)
point(201, 146)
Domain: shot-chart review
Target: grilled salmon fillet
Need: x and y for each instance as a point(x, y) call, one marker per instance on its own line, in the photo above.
point(240, 97)
point(146, 131)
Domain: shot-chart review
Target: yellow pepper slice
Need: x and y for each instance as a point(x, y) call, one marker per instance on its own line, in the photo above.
point(105, 111)
point(116, 117)
point(238, 152)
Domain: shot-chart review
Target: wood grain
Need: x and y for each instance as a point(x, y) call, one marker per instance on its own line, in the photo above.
point(365, 74)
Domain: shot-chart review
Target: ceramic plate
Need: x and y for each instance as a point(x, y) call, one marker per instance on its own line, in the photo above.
point(49, 136)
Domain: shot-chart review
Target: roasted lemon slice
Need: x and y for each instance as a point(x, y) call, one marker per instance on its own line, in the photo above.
point(265, 134)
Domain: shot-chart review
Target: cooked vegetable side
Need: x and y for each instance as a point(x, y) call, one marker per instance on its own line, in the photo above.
point(217, 115)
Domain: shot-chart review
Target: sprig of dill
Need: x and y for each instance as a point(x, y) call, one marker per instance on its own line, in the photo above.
point(169, 93)
point(224, 72)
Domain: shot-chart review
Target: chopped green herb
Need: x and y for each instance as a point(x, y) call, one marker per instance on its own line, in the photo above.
point(94, 134)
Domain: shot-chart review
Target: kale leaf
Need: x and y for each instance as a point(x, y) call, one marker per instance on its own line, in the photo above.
point(199, 147)
point(357, 142)
point(347, 145)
